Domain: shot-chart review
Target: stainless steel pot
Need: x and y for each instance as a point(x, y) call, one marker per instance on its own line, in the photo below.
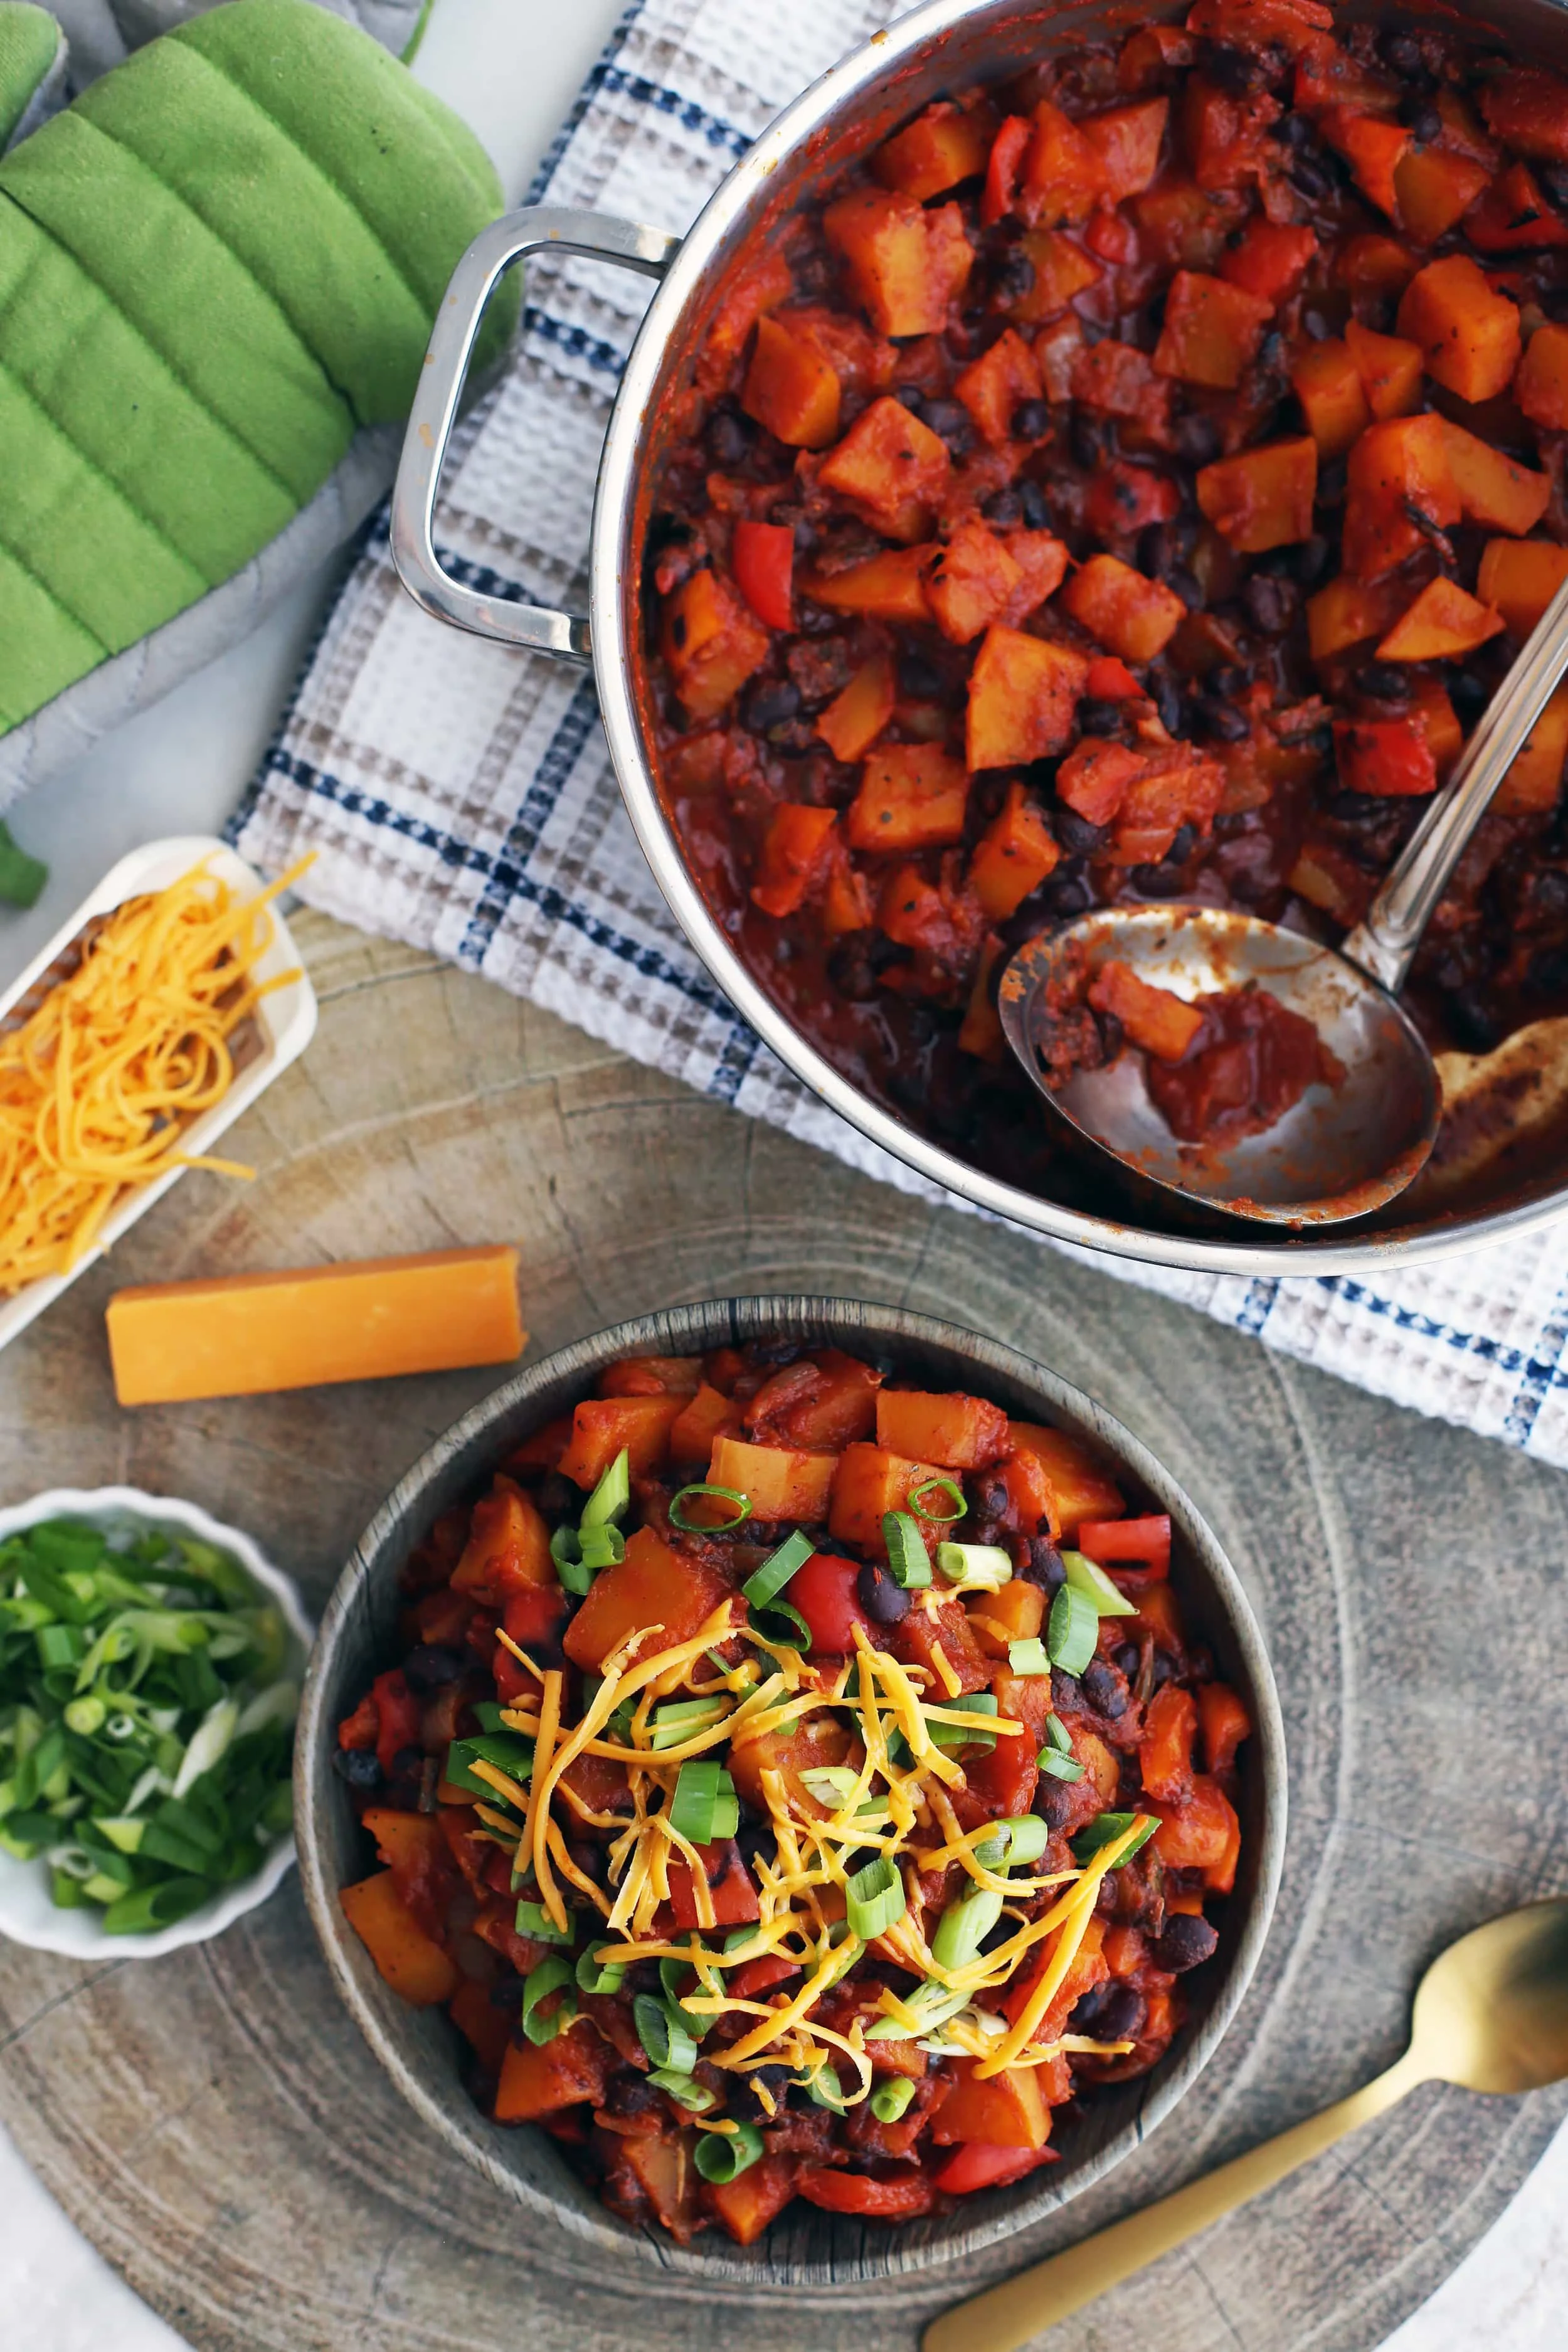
point(936, 49)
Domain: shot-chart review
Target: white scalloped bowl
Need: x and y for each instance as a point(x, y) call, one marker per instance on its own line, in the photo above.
point(29, 1914)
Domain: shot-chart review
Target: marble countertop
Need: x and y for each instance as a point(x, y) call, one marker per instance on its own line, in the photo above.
point(512, 68)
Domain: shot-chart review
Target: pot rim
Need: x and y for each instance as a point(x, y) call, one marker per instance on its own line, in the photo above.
point(450, 1465)
point(745, 190)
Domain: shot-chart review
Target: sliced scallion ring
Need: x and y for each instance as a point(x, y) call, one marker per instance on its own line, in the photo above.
point(1028, 1657)
point(553, 1975)
point(593, 1976)
point(1059, 1766)
point(942, 1485)
point(611, 1496)
point(1058, 1735)
point(1020, 1838)
point(678, 1518)
point(874, 1897)
point(566, 1551)
point(975, 1568)
point(775, 1571)
point(704, 1806)
point(1086, 1576)
point(1104, 1830)
point(534, 1921)
point(781, 1624)
point(964, 1926)
point(663, 2036)
point(725, 2155)
point(1072, 1630)
point(601, 1547)
point(684, 2089)
point(891, 2097)
point(948, 1736)
point(823, 2089)
point(908, 1561)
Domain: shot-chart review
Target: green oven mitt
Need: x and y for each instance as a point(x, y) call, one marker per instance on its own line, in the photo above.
point(32, 67)
point(215, 267)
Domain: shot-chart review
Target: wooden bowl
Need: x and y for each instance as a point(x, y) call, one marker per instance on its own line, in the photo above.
point(420, 2048)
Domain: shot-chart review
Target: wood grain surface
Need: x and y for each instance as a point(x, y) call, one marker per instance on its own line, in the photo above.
point(214, 2121)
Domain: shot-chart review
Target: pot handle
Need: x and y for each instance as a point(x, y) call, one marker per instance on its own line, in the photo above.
point(538, 228)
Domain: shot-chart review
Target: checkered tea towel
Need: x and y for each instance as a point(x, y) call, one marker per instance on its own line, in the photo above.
point(459, 796)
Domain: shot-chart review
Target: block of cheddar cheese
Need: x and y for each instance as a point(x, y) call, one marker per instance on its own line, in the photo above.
point(247, 1334)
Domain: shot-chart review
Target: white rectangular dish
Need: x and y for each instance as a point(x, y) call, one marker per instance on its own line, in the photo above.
point(283, 1023)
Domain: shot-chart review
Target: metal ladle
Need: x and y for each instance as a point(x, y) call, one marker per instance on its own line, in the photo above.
point(1342, 1151)
point(1491, 2015)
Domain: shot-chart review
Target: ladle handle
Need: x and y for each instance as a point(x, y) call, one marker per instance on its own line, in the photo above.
point(1384, 944)
point(1007, 2315)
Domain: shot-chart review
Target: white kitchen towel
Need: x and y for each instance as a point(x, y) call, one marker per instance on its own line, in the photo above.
point(459, 796)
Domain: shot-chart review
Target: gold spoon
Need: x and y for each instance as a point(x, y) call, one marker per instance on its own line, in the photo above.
point(1491, 2014)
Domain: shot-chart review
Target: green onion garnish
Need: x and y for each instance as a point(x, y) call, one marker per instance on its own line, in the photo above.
point(1020, 1838)
point(1059, 1766)
point(678, 1518)
point(508, 1751)
point(601, 1548)
point(823, 2089)
point(1028, 1657)
point(592, 1977)
point(534, 1921)
point(725, 2155)
point(610, 1498)
point(949, 1487)
point(781, 1624)
point(684, 2089)
point(949, 1736)
point(932, 2003)
point(975, 1568)
point(874, 1898)
point(680, 1719)
point(1072, 1630)
point(553, 1975)
point(909, 1562)
point(664, 2037)
point(1058, 1735)
point(671, 1973)
point(775, 1571)
point(566, 1551)
point(1104, 1830)
point(964, 1926)
point(891, 2097)
point(705, 1806)
point(1086, 1576)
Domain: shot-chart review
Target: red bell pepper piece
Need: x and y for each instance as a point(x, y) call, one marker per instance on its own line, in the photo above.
point(1111, 237)
point(763, 554)
point(1226, 1724)
point(824, 1593)
point(359, 1730)
point(729, 1884)
point(758, 1976)
point(973, 2166)
point(397, 1713)
point(1007, 151)
point(1111, 680)
point(878, 2200)
point(1146, 1541)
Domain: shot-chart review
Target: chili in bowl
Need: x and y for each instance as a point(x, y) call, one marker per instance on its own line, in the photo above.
point(804, 1787)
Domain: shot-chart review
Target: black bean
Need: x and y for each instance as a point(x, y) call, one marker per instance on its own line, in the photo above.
point(1359, 808)
point(1270, 603)
point(1065, 1691)
point(357, 1766)
point(1126, 1655)
point(1168, 703)
point(1031, 420)
point(1084, 2015)
point(1004, 506)
point(1045, 1565)
point(884, 1602)
point(1309, 178)
point(1163, 1670)
point(432, 1666)
point(1308, 559)
point(1331, 482)
point(1293, 130)
point(1086, 438)
point(1054, 1802)
point(1551, 891)
point(1105, 1688)
point(1229, 679)
point(1076, 833)
point(1270, 352)
point(1231, 70)
point(1098, 717)
point(1553, 178)
point(1156, 881)
point(1037, 509)
point(1469, 697)
point(769, 704)
point(1196, 439)
point(1188, 1942)
point(506, 1992)
point(948, 420)
point(1064, 893)
point(757, 1843)
point(910, 396)
point(1425, 125)
point(1316, 326)
point(728, 438)
point(1221, 719)
point(408, 1763)
point(1155, 310)
point(1403, 55)
point(1476, 1029)
point(1382, 682)
point(1549, 970)
point(1187, 586)
point(1112, 1036)
point(918, 677)
point(1014, 275)
point(1182, 848)
point(1158, 553)
point(1122, 2016)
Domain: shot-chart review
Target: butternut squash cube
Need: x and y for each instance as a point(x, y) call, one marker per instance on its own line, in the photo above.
point(1006, 2110)
point(1156, 1019)
point(710, 644)
point(1080, 1489)
point(1126, 142)
point(1332, 396)
point(972, 582)
point(858, 711)
point(1495, 491)
point(1533, 784)
point(794, 857)
point(911, 797)
point(1023, 694)
point(1263, 497)
point(507, 1546)
point(601, 1426)
point(1063, 177)
point(792, 387)
point(1443, 623)
point(870, 1481)
point(1373, 148)
point(1395, 467)
point(1014, 856)
point(1542, 389)
point(540, 2079)
point(1528, 106)
point(1062, 268)
point(1468, 335)
point(651, 1585)
point(1520, 577)
point(1136, 617)
point(416, 1967)
point(1433, 188)
point(1347, 612)
point(784, 1482)
point(941, 147)
point(1211, 331)
point(892, 467)
point(1389, 368)
point(992, 386)
point(962, 1432)
point(906, 265)
point(1440, 722)
point(887, 587)
point(1388, 757)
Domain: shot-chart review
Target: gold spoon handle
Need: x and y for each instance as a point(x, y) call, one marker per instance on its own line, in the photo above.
point(1007, 2315)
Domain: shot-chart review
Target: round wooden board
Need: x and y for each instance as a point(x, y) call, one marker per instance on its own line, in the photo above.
point(214, 2122)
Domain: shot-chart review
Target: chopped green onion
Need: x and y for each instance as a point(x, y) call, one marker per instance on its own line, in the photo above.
point(891, 2097)
point(508, 1751)
point(602, 1547)
point(781, 1624)
point(680, 1719)
point(566, 1551)
point(1059, 1766)
point(1020, 1838)
point(488, 1713)
point(535, 1922)
point(705, 1806)
point(823, 2089)
point(909, 1562)
point(949, 1736)
point(1058, 1735)
point(775, 1571)
point(1086, 1576)
point(155, 1907)
point(1028, 1657)
point(22, 878)
point(931, 2003)
point(613, 1494)
point(671, 1973)
point(975, 1568)
point(725, 2155)
point(678, 1518)
point(1072, 1630)
point(832, 1785)
point(86, 1716)
point(684, 2089)
point(964, 1926)
point(663, 2036)
point(948, 1486)
point(553, 1975)
point(874, 1898)
point(58, 1646)
point(1105, 1829)
point(592, 1977)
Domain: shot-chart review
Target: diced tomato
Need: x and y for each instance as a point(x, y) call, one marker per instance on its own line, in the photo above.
point(975, 2166)
point(1146, 1541)
point(763, 557)
point(824, 1593)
